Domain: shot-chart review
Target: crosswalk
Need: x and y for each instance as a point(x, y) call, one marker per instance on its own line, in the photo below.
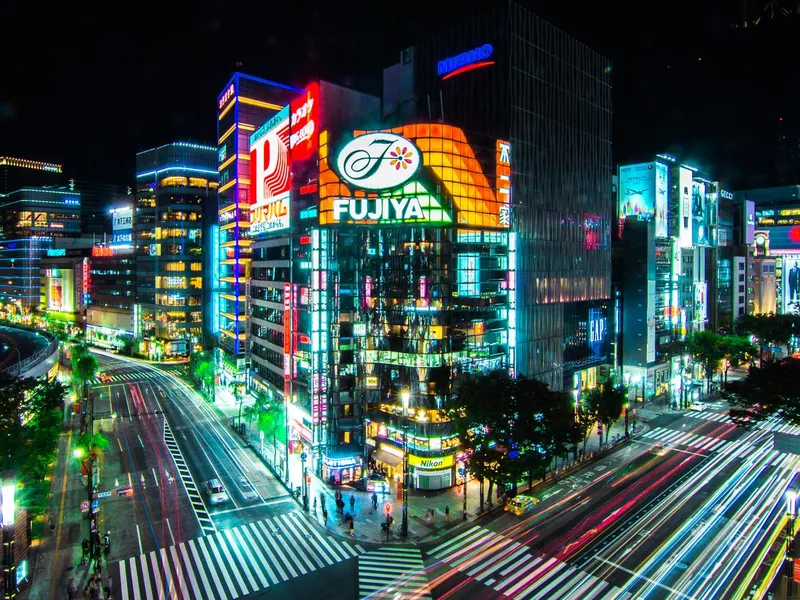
point(774, 425)
point(708, 415)
point(392, 574)
point(231, 563)
point(119, 378)
point(685, 438)
point(515, 571)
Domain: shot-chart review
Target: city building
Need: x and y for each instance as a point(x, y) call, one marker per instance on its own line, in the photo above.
point(176, 184)
point(506, 74)
point(17, 173)
point(32, 217)
point(65, 279)
point(244, 105)
point(375, 284)
point(683, 263)
point(112, 294)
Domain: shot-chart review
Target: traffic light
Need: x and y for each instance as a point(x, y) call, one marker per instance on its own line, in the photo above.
point(387, 508)
point(308, 478)
point(599, 430)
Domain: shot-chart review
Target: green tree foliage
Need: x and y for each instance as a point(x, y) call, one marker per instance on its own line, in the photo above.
point(705, 348)
point(512, 428)
point(606, 403)
point(201, 367)
point(737, 350)
point(30, 423)
point(770, 390)
point(84, 366)
point(770, 330)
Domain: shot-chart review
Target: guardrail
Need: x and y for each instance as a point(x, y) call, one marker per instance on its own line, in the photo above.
point(37, 357)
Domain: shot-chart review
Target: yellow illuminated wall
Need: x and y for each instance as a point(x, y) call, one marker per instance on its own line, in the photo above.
point(447, 157)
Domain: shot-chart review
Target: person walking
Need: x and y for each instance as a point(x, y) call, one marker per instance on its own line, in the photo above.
point(374, 501)
point(85, 550)
point(352, 501)
point(72, 589)
point(447, 513)
point(352, 527)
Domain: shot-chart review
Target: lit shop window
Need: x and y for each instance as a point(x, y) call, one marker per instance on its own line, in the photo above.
point(174, 181)
point(198, 182)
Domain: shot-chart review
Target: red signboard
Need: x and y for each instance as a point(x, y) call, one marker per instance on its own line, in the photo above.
point(287, 331)
point(304, 124)
point(796, 570)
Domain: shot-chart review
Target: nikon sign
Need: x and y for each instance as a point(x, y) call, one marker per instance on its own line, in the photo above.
point(426, 462)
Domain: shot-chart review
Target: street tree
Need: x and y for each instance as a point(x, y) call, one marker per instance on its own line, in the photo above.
point(585, 419)
point(736, 350)
point(769, 390)
point(769, 330)
point(607, 403)
point(705, 348)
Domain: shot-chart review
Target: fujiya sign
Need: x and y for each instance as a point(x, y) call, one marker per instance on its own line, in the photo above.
point(377, 209)
point(379, 161)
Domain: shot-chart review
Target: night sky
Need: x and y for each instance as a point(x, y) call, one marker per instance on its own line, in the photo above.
point(90, 85)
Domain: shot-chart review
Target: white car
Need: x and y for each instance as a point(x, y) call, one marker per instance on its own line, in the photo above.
point(215, 491)
point(698, 406)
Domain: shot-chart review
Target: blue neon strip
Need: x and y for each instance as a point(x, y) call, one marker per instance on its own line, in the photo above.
point(266, 81)
point(191, 169)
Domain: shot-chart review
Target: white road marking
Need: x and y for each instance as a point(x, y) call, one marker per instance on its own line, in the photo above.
point(139, 537)
point(172, 537)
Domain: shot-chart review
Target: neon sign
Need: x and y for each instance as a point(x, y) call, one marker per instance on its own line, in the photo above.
point(270, 175)
point(272, 216)
point(304, 123)
point(466, 61)
point(226, 96)
point(378, 161)
point(402, 209)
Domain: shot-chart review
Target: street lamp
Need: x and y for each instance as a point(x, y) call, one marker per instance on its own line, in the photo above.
point(791, 512)
point(627, 435)
point(405, 397)
point(8, 508)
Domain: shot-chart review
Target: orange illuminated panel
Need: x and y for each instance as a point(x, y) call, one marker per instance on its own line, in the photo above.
point(451, 161)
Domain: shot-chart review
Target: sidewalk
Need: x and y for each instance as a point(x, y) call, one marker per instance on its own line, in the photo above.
point(420, 528)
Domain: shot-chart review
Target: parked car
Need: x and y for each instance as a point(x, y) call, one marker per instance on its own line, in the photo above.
point(215, 491)
point(520, 505)
point(698, 406)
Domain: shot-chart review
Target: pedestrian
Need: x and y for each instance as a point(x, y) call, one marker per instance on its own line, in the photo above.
point(374, 501)
point(85, 550)
point(72, 589)
point(352, 527)
point(324, 516)
point(352, 501)
point(315, 506)
point(447, 513)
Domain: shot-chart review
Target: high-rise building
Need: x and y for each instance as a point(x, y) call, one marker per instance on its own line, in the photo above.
point(244, 105)
point(507, 74)
point(17, 173)
point(383, 268)
point(175, 186)
point(31, 218)
point(111, 296)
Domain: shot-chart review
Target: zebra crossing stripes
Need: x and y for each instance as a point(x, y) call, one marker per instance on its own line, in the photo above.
point(684, 438)
point(710, 416)
point(515, 571)
point(231, 563)
point(393, 574)
point(195, 499)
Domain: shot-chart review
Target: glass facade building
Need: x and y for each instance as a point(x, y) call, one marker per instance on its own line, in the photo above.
point(175, 184)
point(244, 104)
point(31, 219)
point(508, 74)
point(368, 289)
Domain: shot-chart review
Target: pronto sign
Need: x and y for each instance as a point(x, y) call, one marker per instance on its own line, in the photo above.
point(378, 161)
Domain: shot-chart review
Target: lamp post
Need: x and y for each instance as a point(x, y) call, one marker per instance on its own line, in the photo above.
point(9, 571)
point(627, 434)
point(405, 397)
point(791, 512)
point(303, 457)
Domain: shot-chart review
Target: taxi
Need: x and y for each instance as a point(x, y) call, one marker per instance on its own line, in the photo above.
point(520, 505)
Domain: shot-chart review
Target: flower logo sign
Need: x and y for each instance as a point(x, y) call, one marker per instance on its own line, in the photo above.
point(378, 161)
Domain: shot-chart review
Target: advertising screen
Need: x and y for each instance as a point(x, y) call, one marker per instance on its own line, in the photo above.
point(685, 208)
point(304, 124)
point(700, 301)
point(270, 175)
point(699, 228)
point(637, 191)
point(661, 204)
point(60, 290)
point(791, 285)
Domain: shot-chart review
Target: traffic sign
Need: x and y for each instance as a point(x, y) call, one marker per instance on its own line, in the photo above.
point(95, 506)
point(85, 506)
point(303, 456)
point(103, 495)
point(462, 471)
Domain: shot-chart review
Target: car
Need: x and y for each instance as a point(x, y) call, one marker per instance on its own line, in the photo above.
point(698, 406)
point(378, 484)
point(520, 505)
point(659, 449)
point(215, 491)
point(104, 377)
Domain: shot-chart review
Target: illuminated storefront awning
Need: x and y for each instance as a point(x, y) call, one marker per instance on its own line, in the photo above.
point(387, 458)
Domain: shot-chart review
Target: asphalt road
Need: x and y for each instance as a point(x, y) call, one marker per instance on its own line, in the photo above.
point(26, 342)
point(685, 522)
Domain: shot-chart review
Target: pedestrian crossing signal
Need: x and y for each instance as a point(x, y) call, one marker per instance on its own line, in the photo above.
point(387, 508)
point(308, 478)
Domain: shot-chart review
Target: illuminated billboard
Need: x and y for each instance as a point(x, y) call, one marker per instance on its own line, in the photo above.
point(270, 175)
point(685, 208)
point(699, 228)
point(637, 191)
point(60, 290)
point(790, 302)
point(661, 203)
point(304, 124)
point(426, 173)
